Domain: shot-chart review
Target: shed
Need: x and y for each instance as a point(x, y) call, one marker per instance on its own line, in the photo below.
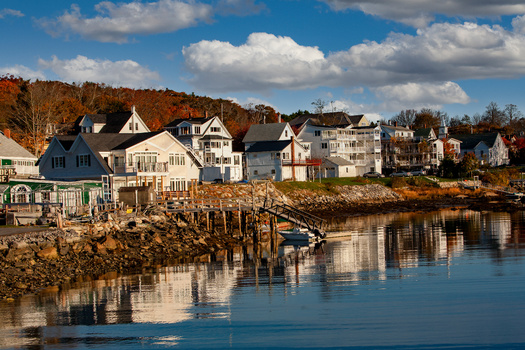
point(141, 195)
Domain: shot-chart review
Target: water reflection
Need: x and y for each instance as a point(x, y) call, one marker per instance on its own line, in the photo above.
point(371, 248)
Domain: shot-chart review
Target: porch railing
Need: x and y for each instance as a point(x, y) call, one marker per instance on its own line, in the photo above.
point(139, 167)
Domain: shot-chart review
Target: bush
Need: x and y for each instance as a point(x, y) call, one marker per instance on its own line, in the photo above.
point(399, 182)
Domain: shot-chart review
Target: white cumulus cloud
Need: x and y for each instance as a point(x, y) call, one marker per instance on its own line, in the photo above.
point(426, 63)
point(125, 73)
point(264, 62)
point(419, 95)
point(22, 72)
point(419, 13)
point(116, 22)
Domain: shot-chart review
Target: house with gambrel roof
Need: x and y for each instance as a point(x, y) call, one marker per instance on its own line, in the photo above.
point(122, 122)
point(155, 159)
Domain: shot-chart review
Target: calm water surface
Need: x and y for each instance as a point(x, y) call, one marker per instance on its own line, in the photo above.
point(453, 279)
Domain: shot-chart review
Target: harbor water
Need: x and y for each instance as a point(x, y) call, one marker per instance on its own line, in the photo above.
point(440, 280)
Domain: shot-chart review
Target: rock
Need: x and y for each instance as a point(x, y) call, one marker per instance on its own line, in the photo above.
point(110, 243)
point(48, 253)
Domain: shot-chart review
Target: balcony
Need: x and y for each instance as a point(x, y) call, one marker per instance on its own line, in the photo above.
point(141, 167)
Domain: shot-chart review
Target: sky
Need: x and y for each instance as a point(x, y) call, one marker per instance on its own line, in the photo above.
point(372, 57)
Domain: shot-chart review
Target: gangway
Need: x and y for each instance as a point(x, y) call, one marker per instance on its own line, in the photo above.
point(295, 216)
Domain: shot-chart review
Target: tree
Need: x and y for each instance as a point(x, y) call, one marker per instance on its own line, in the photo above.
point(448, 167)
point(35, 108)
point(512, 113)
point(494, 115)
point(319, 105)
point(405, 118)
point(468, 164)
point(427, 118)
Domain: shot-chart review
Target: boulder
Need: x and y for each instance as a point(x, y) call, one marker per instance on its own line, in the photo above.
point(48, 253)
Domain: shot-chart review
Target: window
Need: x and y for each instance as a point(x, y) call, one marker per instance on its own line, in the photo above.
point(286, 155)
point(197, 129)
point(136, 126)
point(46, 196)
point(83, 161)
point(184, 130)
point(215, 129)
point(256, 172)
point(58, 162)
point(177, 159)
point(273, 171)
point(177, 184)
point(324, 145)
point(317, 133)
point(130, 126)
point(286, 133)
point(236, 160)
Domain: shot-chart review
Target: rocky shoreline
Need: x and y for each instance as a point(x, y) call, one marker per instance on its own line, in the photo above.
point(32, 261)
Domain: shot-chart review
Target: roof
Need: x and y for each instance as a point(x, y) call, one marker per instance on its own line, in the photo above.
point(425, 132)
point(214, 137)
point(268, 146)
point(396, 128)
point(200, 121)
point(66, 140)
point(332, 119)
point(114, 122)
point(338, 161)
point(470, 141)
point(9, 148)
point(264, 132)
point(137, 138)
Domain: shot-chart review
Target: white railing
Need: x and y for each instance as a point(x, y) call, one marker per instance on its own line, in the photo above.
point(146, 167)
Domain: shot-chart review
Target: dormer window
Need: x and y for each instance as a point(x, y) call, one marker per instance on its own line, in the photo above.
point(215, 129)
point(197, 130)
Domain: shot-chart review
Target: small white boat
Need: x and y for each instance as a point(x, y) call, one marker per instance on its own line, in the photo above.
point(298, 234)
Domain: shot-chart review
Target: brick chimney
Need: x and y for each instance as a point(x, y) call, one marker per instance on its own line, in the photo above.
point(7, 133)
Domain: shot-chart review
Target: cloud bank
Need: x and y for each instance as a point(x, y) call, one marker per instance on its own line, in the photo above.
point(117, 22)
point(420, 13)
point(120, 73)
point(417, 68)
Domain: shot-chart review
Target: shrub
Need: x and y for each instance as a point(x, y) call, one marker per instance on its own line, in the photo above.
point(399, 182)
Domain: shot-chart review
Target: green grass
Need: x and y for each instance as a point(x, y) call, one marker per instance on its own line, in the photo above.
point(327, 186)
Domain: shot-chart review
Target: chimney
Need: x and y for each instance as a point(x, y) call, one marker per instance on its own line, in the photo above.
point(395, 124)
point(279, 118)
point(7, 133)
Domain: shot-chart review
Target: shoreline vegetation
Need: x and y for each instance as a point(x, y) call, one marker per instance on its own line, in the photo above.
point(131, 243)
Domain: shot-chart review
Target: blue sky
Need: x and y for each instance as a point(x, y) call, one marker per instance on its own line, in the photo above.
point(374, 57)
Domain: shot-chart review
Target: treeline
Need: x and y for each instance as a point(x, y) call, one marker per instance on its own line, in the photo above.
point(508, 121)
point(28, 108)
